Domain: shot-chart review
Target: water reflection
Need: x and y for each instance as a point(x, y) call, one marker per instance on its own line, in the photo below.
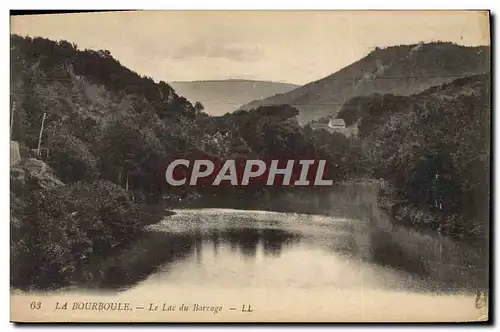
point(197, 249)
point(247, 240)
point(136, 262)
point(155, 251)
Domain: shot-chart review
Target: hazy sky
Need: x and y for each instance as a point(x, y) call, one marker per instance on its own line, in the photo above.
point(287, 46)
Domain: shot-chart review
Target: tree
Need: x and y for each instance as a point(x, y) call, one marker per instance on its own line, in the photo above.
point(198, 107)
point(71, 159)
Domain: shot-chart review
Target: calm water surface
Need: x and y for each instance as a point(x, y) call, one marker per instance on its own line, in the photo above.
point(287, 267)
point(237, 248)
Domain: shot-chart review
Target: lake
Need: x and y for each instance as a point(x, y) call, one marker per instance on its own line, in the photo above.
point(283, 266)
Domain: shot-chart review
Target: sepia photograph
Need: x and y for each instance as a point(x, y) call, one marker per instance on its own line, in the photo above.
point(250, 166)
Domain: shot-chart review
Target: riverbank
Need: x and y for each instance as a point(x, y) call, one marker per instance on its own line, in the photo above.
point(58, 228)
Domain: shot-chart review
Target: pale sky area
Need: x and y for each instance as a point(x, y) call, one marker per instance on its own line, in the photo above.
point(286, 46)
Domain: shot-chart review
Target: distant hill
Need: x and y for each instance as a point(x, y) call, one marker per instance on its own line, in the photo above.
point(223, 96)
point(400, 70)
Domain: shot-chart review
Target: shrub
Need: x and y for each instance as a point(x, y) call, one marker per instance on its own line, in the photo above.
point(60, 228)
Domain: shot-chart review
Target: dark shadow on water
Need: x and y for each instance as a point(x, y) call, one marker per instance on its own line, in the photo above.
point(159, 250)
point(134, 263)
point(425, 276)
point(247, 240)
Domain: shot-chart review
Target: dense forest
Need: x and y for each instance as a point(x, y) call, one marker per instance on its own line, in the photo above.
point(109, 133)
point(433, 149)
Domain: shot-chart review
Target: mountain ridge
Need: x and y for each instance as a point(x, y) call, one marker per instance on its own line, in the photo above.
point(401, 70)
point(233, 80)
point(225, 96)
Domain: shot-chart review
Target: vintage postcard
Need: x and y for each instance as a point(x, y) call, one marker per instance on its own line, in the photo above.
point(250, 166)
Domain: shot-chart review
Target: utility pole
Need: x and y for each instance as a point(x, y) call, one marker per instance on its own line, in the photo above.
point(41, 132)
point(12, 117)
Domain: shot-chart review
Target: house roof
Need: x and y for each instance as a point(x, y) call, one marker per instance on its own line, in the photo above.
point(337, 122)
point(319, 125)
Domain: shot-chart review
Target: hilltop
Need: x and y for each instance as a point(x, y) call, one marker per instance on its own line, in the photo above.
point(399, 70)
point(222, 96)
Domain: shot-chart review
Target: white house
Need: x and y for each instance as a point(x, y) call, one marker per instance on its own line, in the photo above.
point(332, 125)
point(336, 123)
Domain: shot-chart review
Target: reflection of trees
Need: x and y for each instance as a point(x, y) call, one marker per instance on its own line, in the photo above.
point(152, 251)
point(198, 243)
point(159, 250)
point(244, 239)
point(247, 240)
point(215, 239)
point(273, 240)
